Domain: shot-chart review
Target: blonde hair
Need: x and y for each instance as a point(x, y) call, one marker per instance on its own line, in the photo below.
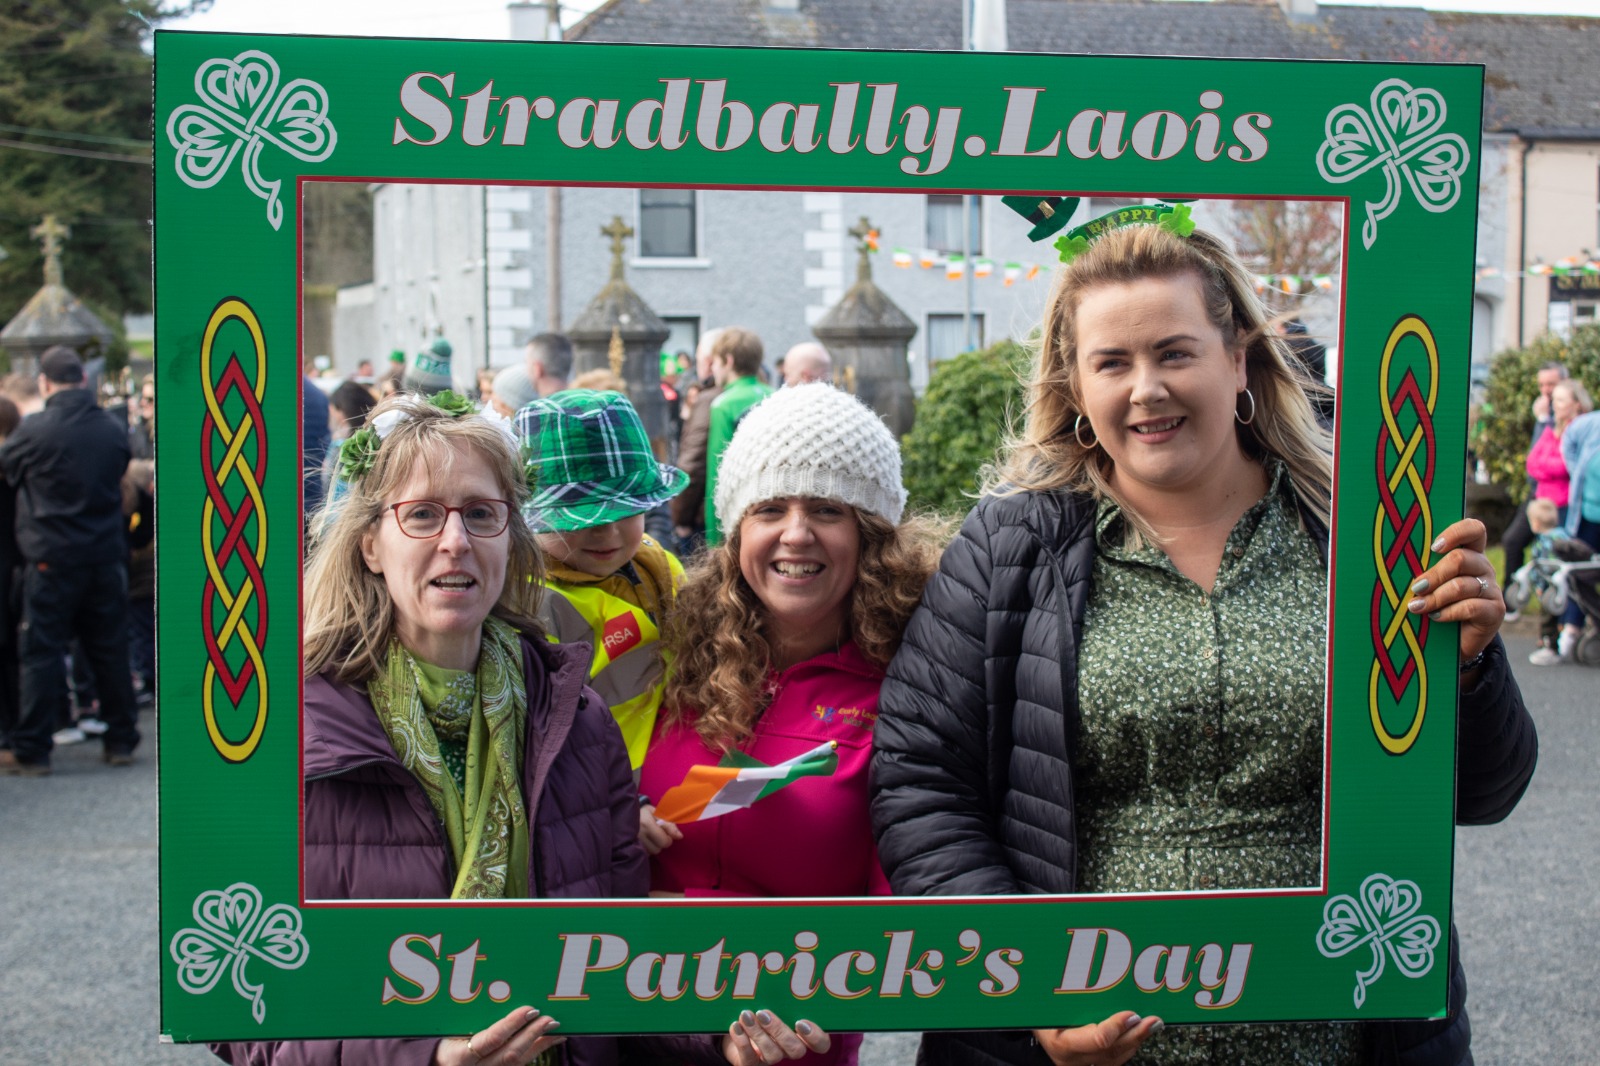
point(1046, 454)
point(1543, 512)
point(349, 617)
point(1580, 395)
point(717, 638)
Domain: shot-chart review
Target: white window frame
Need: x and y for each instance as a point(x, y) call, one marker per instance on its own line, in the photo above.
point(690, 262)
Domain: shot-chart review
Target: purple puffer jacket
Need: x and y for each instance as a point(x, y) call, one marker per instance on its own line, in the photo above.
point(370, 832)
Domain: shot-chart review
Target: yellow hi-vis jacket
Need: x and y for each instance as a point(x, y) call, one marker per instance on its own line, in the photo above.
point(627, 670)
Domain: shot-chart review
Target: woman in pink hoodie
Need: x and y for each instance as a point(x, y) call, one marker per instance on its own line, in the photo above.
point(778, 641)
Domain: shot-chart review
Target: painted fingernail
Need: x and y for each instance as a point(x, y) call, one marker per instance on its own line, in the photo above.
point(1438, 544)
point(554, 1025)
point(1421, 585)
point(764, 1017)
point(803, 1028)
point(746, 1018)
point(1133, 1020)
point(1434, 617)
point(532, 1012)
point(558, 1041)
point(1415, 606)
point(1157, 1027)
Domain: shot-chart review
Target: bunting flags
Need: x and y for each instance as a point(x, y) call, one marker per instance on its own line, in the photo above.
point(902, 258)
point(738, 781)
point(1012, 271)
point(955, 267)
point(983, 268)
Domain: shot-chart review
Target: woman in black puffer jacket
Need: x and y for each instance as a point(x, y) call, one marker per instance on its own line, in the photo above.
point(1090, 666)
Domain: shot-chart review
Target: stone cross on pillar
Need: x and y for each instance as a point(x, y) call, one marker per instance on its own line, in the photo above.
point(617, 231)
point(50, 234)
point(866, 235)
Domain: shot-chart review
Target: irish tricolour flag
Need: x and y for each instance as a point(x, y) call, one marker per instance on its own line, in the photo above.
point(738, 781)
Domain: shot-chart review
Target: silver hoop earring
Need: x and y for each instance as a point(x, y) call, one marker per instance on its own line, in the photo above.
point(1252, 418)
point(1077, 434)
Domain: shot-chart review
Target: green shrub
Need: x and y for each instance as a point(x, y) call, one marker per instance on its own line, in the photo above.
point(1504, 424)
point(960, 423)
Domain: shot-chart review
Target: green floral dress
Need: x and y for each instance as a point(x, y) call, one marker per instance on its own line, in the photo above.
point(1200, 754)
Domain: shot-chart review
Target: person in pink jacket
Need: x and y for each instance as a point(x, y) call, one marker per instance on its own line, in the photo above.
point(1552, 481)
point(779, 642)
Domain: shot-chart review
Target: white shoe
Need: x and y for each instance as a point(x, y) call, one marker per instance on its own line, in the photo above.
point(70, 735)
point(1547, 657)
point(93, 727)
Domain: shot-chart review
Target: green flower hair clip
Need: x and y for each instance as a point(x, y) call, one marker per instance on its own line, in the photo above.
point(358, 453)
point(452, 403)
point(1174, 218)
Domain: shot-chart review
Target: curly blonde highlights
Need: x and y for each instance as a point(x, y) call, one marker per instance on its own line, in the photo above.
point(717, 639)
point(1047, 454)
point(349, 617)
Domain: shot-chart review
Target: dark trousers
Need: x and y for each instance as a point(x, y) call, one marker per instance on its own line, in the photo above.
point(1515, 540)
point(142, 640)
point(1589, 533)
point(60, 603)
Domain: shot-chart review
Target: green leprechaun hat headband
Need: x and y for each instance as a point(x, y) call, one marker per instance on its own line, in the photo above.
point(1173, 217)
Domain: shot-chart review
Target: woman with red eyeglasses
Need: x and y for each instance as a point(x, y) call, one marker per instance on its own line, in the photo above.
point(449, 750)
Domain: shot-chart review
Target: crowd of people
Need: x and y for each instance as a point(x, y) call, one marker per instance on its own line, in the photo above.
point(1563, 500)
point(538, 646)
point(77, 565)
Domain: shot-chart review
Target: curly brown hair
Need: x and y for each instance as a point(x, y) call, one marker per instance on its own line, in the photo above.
point(716, 637)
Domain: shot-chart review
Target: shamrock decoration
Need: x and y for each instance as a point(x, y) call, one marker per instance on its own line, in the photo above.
point(1071, 246)
point(1176, 221)
point(1383, 916)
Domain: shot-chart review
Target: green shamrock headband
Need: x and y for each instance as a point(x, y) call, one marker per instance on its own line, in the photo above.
point(1174, 218)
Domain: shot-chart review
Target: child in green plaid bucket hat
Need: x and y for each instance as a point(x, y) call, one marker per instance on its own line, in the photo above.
point(612, 584)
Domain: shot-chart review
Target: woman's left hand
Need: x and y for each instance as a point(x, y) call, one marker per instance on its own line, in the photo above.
point(1460, 587)
point(762, 1038)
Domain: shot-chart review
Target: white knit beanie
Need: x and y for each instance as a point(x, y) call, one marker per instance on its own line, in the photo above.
point(811, 440)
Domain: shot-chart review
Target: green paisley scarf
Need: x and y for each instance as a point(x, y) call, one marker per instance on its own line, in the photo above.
point(485, 821)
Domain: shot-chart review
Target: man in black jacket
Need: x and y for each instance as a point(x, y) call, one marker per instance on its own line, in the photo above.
point(66, 463)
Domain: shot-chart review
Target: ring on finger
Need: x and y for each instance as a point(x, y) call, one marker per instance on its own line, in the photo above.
point(476, 1056)
point(1483, 587)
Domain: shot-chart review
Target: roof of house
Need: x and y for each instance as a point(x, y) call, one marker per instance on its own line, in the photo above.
point(1542, 71)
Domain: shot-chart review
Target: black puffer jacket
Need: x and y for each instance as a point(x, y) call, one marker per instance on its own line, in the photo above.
point(972, 773)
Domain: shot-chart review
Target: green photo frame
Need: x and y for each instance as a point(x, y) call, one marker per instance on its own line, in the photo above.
point(242, 122)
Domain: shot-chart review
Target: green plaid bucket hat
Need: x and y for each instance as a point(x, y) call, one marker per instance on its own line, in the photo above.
point(594, 460)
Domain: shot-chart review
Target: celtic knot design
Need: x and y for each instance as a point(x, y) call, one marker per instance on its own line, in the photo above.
point(1382, 914)
point(233, 541)
point(243, 111)
point(1400, 135)
point(1405, 464)
point(233, 928)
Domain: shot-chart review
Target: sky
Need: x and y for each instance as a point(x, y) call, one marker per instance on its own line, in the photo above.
point(487, 19)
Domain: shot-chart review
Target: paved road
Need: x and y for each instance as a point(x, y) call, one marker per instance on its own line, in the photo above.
point(78, 948)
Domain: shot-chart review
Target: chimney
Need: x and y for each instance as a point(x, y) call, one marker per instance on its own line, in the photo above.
point(1299, 10)
point(534, 20)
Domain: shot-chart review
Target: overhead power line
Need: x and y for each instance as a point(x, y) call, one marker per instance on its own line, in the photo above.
point(65, 136)
point(84, 153)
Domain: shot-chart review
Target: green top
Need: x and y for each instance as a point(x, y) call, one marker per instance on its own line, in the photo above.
point(1200, 754)
point(737, 397)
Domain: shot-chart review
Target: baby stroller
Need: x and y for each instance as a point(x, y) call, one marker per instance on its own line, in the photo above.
point(1582, 584)
point(1543, 575)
